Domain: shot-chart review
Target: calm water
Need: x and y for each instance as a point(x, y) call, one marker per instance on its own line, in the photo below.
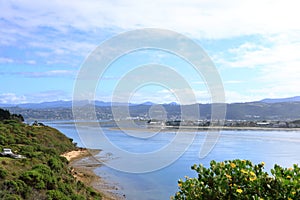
point(281, 147)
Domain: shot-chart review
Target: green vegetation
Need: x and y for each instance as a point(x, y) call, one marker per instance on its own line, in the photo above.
point(43, 174)
point(240, 179)
point(5, 115)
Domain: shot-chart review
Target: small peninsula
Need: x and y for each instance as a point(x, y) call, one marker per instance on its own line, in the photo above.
point(41, 172)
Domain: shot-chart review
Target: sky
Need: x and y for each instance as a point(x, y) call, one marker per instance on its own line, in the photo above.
point(254, 45)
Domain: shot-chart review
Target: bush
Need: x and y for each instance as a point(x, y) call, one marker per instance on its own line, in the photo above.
point(55, 164)
point(240, 179)
point(12, 197)
point(56, 195)
point(65, 188)
point(40, 177)
point(3, 173)
point(17, 187)
point(34, 178)
point(77, 197)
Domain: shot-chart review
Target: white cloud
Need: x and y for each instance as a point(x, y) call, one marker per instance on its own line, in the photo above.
point(51, 73)
point(168, 96)
point(253, 55)
point(61, 30)
point(31, 62)
point(276, 61)
point(36, 97)
point(249, 96)
point(6, 60)
point(11, 98)
point(49, 95)
point(212, 19)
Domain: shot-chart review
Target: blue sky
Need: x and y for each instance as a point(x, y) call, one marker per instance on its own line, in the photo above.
point(255, 45)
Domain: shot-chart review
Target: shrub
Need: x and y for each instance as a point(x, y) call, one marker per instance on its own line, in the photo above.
point(40, 177)
point(65, 188)
point(17, 187)
point(3, 140)
point(3, 173)
point(240, 179)
point(56, 195)
point(28, 151)
point(77, 197)
point(55, 164)
point(93, 193)
point(12, 197)
point(34, 178)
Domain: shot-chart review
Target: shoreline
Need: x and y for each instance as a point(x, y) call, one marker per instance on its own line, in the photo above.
point(83, 165)
point(196, 128)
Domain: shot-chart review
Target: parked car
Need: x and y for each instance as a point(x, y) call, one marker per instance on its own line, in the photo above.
point(8, 152)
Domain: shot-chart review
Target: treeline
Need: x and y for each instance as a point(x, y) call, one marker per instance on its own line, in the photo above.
point(43, 174)
point(6, 115)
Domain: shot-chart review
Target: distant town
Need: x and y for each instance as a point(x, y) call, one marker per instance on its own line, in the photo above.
point(228, 123)
point(268, 113)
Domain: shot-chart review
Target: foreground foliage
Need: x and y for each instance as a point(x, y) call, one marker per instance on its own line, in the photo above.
point(44, 174)
point(240, 179)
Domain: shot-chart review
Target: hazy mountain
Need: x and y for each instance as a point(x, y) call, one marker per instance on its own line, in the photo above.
point(173, 104)
point(148, 103)
point(279, 100)
point(62, 104)
point(274, 109)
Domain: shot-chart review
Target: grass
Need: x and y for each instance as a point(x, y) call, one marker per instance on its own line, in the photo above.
point(43, 174)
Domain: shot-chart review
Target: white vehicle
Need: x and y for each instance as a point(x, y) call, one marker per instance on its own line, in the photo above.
point(7, 152)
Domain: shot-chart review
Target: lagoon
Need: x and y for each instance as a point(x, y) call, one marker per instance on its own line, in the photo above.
point(281, 147)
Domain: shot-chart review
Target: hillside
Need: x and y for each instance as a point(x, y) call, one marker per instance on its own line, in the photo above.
point(235, 111)
point(43, 174)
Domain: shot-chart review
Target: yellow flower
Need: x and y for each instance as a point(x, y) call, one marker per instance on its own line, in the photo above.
point(222, 164)
point(293, 192)
point(232, 165)
point(228, 176)
point(288, 176)
point(290, 199)
point(239, 190)
point(244, 161)
point(290, 168)
point(179, 184)
point(252, 174)
point(244, 171)
point(253, 178)
point(262, 163)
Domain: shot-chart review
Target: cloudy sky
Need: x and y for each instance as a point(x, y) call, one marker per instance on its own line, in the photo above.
point(255, 46)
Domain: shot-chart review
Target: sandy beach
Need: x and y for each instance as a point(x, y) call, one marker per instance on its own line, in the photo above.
point(83, 164)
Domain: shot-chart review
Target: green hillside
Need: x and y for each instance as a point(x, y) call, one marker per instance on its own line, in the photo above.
point(43, 174)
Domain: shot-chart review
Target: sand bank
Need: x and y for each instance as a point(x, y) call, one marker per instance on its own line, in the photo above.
point(84, 163)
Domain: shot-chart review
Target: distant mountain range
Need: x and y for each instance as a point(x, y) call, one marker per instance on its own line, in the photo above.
point(280, 100)
point(61, 104)
point(68, 104)
point(266, 109)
